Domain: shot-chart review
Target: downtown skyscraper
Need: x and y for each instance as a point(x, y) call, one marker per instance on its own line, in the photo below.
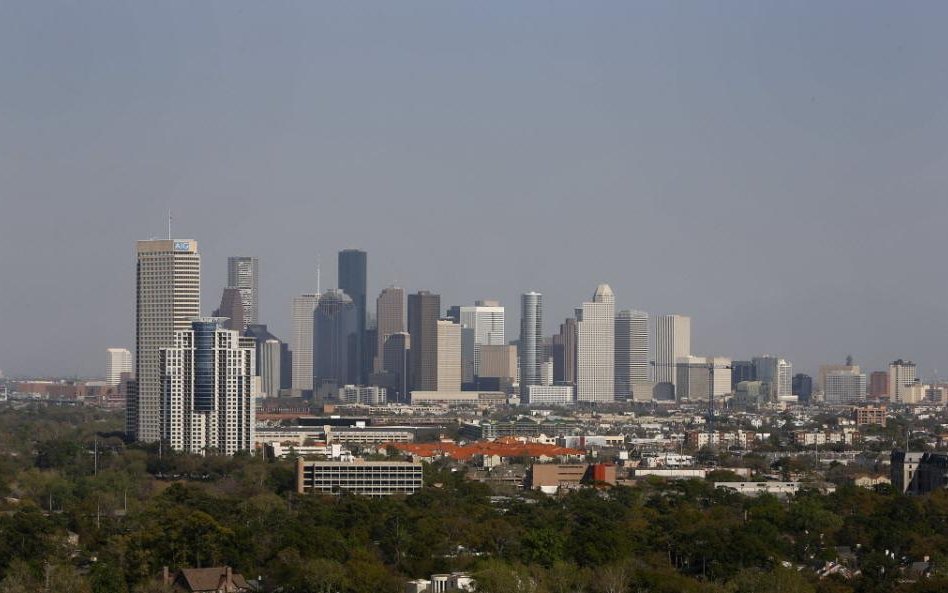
point(632, 367)
point(353, 280)
point(167, 299)
point(531, 334)
point(595, 347)
point(672, 341)
point(424, 311)
point(486, 321)
point(243, 273)
point(301, 342)
point(390, 320)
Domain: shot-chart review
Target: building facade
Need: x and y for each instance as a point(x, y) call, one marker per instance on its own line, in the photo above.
point(844, 387)
point(531, 333)
point(486, 320)
point(353, 280)
point(119, 361)
point(672, 341)
point(167, 298)
point(390, 319)
point(449, 356)
point(903, 375)
point(207, 390)
point(231, 310)
point(595, 348)
point(334, 351)
point(631, 366)
point(424, 311)
point(243, 273)
point(301, 345)
point(366, 478)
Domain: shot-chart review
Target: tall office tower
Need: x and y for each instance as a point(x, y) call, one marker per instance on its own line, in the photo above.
point(271, 360)
point(449, 356)
point(531, 332)
point(564, 353)
point(301, 346)
point(700, 377)
point(802, 387)
point(498, 368)
point(168, 297)
point(631, 352)
point(672, 341)
point(742, 370)
point(269, 365)
point(844, 387)
point(243, 273)
point(902, 375)
point(395, 356)
point(595, 347)
point(335, 324)
point(424, 311)
point(777, 373)
point(232, 309)
point(353, 274)
point(390, 319)
point(878, 385)
point(207, 390)
point(119, 361)
point(486, 320)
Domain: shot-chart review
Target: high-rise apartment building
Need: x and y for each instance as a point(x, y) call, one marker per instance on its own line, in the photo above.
point(424, 311)
point(390, 319)
point(231, 310)
point(531, 332)
point(449, 356)
point(844, 387)
point(631, 365)
point(167, 298)
point(353, 278)
point(564, 353)
point(903, 375)
point(207, 390)
point(486, 320)
point(243, 273)
point(119, 361)
point(301, 344)
point(334, 345)
point(672, 341)
point(595, 347)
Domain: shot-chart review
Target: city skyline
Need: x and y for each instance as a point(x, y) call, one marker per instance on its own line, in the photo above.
point(772, 140)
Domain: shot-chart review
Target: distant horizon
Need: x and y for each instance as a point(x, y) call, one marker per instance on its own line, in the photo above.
point(775, 171)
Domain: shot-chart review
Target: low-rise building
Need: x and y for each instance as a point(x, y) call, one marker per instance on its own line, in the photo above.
point(549, 477)
point(869, 415)
point(368, 478)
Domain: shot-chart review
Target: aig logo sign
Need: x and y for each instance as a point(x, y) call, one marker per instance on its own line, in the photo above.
point(182, 245)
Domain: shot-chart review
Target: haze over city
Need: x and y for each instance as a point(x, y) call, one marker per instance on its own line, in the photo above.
point(776, 172)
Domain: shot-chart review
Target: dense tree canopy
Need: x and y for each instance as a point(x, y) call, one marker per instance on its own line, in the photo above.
point(136, 510)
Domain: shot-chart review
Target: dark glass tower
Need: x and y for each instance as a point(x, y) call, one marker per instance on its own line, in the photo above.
point(353, 272)
point(424, 310)
point(334, 327)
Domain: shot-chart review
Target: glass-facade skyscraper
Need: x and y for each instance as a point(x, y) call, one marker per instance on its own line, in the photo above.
point(353, 274)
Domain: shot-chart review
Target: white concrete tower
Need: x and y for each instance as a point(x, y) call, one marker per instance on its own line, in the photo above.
point(672, 341)
point(595, 347)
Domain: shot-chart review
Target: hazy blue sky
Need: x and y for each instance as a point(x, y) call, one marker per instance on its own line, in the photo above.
point(775, 170)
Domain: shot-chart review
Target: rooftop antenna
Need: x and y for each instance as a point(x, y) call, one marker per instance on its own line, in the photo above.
point(169, 225)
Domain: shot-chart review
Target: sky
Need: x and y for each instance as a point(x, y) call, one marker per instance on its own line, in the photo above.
point(775, 170)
